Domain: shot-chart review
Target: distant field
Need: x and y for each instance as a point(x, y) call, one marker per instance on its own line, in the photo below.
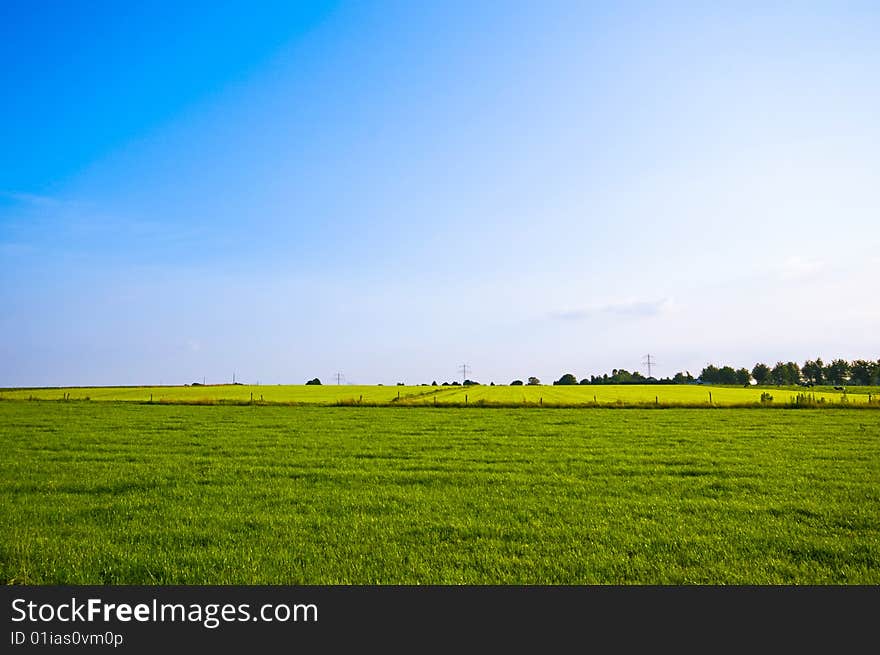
point(424, 395)
point(96, 493)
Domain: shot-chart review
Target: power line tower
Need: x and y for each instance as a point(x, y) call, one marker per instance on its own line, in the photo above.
point(463, 369)
point(647, 362)
point(339, 378)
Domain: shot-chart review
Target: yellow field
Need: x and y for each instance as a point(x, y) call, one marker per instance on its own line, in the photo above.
point(481, 394)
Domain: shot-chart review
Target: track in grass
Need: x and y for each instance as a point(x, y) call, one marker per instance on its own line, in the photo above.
point(96, 493)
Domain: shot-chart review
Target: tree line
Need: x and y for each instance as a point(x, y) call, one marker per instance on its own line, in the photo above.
point(838, 372)
point(622, 376)
point(813, 372)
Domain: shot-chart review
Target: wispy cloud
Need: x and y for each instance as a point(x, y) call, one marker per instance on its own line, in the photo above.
point(625, 309)
point(31, 199)
point(800, 268)
point(33, 222)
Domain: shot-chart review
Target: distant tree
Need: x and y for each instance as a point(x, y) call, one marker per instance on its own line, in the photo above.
point(586, 381)
point(861, 372)
point(710, 374)
point(314, 381)
point(434, 383)
point(743, 377)
point(620, 376)
point(456, 383)
point(761, 373)
point(567, 379)
point(814, 371)
point(777, 374)
point(470, 383)
point(516, 383)
point(727, 375)
point(838, 371)
point(682, 378)
point(786, 374)
point(492, 384)
point(533, 381)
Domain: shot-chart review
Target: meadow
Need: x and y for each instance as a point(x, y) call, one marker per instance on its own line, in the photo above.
point(131, 493)
point(500, 395)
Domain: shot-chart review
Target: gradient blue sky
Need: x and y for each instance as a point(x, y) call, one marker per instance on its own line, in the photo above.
point(388, 190)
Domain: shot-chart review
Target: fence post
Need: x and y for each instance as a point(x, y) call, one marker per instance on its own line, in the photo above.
point(710, 397)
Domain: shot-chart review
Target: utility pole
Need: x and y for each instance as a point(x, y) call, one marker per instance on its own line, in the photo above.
point(464, 368)
point(648, 363)
point(233, 377)
point(339, 378)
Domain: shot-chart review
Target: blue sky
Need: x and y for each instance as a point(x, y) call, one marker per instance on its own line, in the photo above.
point(388, 190)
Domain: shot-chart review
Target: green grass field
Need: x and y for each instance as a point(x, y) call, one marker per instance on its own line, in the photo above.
point(548, 395)
point(96, 493)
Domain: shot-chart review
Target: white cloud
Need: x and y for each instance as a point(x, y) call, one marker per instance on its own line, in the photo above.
point(625, 309)
point(801, 268)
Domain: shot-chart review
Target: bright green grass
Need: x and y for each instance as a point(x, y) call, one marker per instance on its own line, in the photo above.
point(548, 395)
point(98, 493)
